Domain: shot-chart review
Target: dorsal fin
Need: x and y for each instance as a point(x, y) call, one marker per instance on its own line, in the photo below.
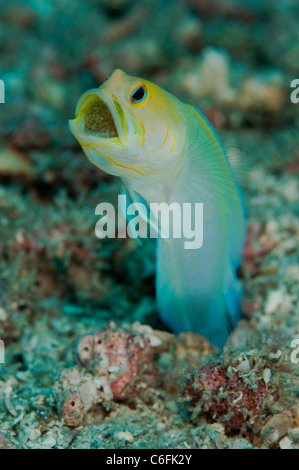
point(237, 161)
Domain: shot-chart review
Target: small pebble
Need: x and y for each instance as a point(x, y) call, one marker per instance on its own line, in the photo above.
point(34, 434)
point(275, 429)
point(3, 314)
point(49, 442)
point(285, 443)
point(267, 375)
point(244, 366)
point(274, 300)
point(124, 436)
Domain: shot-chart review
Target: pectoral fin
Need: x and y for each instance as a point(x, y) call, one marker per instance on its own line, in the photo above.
point(132, 197)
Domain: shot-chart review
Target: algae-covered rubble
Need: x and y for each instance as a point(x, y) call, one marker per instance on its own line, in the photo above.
point(88, 363)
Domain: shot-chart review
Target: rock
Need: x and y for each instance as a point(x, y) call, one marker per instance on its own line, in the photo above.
point(76, 393)
point(5, 443)
point(275, 299)
point(275, 429)
point(285, 443)
point(124, 359)
point(210, 78)
point(125, 436)
point(15, 164)
point(225, 397)
point(262, 92)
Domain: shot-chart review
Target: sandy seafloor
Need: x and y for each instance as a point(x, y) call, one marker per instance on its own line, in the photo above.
point(134, 385)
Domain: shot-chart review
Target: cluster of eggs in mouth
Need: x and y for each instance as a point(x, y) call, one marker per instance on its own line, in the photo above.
point(98, 118)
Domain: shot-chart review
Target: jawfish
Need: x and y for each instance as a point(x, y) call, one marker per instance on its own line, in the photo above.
point(166, 151)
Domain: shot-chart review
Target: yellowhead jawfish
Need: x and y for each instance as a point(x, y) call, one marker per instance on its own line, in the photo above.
point(166, 151)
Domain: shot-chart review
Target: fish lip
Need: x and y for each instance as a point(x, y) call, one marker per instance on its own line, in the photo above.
point(78, 129)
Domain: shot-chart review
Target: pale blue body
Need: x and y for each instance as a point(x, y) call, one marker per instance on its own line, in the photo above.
point(198, 290)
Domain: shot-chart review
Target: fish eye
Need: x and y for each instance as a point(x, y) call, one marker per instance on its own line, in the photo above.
point(138, 93)
point(107, 77)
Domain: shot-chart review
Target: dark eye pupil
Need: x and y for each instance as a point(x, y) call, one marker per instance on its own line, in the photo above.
point(138, 95)
point(107, 77)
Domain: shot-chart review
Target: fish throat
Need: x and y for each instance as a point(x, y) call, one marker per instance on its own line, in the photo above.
point(98, 118)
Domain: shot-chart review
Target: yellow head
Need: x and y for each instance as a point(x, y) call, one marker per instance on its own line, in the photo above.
point(131, 128)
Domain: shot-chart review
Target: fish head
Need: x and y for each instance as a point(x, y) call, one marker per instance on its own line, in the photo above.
point(130, 127)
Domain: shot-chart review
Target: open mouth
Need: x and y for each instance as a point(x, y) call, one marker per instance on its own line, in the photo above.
point(96, 117)
point(104, 130)
point(100, 120)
